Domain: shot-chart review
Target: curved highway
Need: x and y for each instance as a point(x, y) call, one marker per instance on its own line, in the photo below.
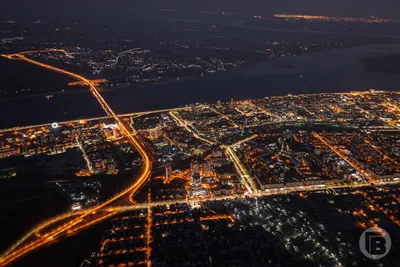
point(89, 217)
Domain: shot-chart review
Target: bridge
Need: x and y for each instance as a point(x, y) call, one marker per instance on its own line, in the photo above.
point(93, 215)
point(68, 224)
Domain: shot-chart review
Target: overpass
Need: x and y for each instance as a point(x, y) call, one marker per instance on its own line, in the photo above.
point(91, 216)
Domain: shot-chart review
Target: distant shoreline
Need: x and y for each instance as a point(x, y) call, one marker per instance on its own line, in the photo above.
point(337, 70)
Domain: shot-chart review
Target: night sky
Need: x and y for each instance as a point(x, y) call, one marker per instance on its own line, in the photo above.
point(117, 9)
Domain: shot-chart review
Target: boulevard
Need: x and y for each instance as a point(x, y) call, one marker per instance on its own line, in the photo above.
point(82, 221)
point(70, 223)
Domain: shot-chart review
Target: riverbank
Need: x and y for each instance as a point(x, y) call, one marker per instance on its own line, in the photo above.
point(337, 70)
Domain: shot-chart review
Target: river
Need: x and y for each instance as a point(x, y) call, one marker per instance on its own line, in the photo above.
point(337, 70)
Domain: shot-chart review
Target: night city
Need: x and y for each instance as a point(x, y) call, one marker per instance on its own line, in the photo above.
point(199, 133)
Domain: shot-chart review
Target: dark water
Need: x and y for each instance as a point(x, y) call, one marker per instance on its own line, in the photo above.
point(16, 75)
point(331, 71)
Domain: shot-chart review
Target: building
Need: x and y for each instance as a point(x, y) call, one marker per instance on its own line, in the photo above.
point(196, 181)
point(52, 137)
point(42, 139)
point(168, 171)
point(217, 153)
point(55, 128)
point(207, 167)
point(194, 167)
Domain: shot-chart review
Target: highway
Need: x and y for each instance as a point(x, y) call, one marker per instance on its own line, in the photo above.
point(121, 116)
point(241, 170)
point(79, 221)
point(273, 192)
point(89, 217)
point(19, 128)
point(248, 181)
point(244, 175)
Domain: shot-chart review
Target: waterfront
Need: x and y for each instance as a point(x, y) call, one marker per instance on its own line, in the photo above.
point(331, 71)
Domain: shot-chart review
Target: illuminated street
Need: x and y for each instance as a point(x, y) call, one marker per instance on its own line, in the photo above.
point(79, 223)
point(208, 134)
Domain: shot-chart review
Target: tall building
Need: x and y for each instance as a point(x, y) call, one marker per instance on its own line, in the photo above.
point(52, 137)
point(75, 133)
point(154, 134)
point(217, 153)
point(162, 122)
point(194, 167)
point(196, 181)
point(55, 129)
point(42, 139)
point(207, 167)
point(168, 171)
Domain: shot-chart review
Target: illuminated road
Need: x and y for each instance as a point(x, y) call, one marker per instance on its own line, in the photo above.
point(248, 181)
point(264, 111)
point(184, 124)
point(148, 230)
point(85, 156)
point(273, 192)
point(224, 116)
point(89, 217)
point(37, 230)
point(84, 219)
point(21, 128)
point(343, 156)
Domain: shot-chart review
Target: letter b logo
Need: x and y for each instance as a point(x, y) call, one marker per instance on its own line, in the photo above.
point(375, 243)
